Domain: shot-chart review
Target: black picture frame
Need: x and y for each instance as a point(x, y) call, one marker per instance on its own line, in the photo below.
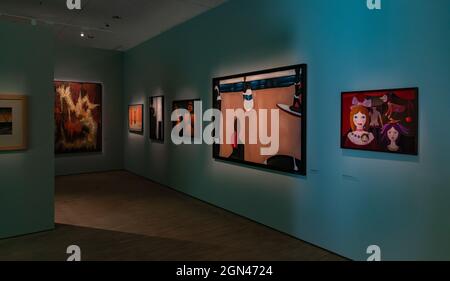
point(302, 167)
point(413, 141)
point(153, 134)
point(140, 131)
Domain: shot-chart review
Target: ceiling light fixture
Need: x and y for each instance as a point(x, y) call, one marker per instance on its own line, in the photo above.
point(82, 34)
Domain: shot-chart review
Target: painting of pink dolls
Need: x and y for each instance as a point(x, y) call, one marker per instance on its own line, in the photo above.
point(360, 136)
point(380, 120)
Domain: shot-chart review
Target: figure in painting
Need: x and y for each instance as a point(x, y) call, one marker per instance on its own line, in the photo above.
point(238, 146)
point(376, 121)
point(248, 97)
point(360, 137)
point(390, 136)
point(394, 108)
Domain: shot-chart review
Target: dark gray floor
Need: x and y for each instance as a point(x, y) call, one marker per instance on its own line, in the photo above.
point(120, 216)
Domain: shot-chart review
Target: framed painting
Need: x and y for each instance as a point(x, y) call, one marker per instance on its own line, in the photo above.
point(136, 118)
point(276, 98)
point(189, 118)
point(156, 116)
point(78, 117)
point(381, 120)
point(13, 122)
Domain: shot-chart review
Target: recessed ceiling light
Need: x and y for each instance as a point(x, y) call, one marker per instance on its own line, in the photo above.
point(82, 34)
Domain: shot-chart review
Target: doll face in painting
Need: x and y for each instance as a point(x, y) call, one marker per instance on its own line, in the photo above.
point(359, 119)
point(365, 138)
point(392, 134)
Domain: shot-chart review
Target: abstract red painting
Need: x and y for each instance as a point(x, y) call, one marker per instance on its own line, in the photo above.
point(78, 117)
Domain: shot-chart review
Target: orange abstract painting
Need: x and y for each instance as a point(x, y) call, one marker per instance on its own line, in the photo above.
point(135, 118)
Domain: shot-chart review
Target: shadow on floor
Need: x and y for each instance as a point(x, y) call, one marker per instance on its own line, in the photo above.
point(97, 244)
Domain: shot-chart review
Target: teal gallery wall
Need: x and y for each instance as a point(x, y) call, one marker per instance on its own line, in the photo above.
point(27, 177)
point(101, 66)
point(349, 199)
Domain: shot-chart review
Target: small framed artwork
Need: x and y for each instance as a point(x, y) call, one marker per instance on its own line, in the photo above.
point(13, 122)
point(136, 118)
point(189, 118)
point(279, 95)
point(381, 120)
point(156, 116)
point(78, 117)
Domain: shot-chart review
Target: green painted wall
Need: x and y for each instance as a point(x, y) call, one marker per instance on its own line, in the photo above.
point(350, 199)
point(101, 66)
point(27, 177)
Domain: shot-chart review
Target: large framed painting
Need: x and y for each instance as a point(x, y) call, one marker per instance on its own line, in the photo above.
point(276, 98)
point(78, 117)
point(381, 120)
point(156, 113)
point(189, 118)
point(13, 122)
point(136, 118)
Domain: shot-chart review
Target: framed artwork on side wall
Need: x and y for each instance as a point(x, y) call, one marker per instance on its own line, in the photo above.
point(189, 118)
point(13, 122)
point(381, 120)
point(156, 116)
point(136, 118)
point(277, 98)
point(78, 117)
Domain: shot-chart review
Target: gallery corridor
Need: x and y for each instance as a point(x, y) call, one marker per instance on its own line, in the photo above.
point(121, 216)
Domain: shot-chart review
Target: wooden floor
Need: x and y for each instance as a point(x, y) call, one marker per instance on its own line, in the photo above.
point(120, 216)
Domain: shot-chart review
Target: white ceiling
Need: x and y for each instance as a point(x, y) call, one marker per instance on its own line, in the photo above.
point(140, 19)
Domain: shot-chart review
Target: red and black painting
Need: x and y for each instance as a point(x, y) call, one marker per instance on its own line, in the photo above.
point(381, 120)
point(78, 117)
